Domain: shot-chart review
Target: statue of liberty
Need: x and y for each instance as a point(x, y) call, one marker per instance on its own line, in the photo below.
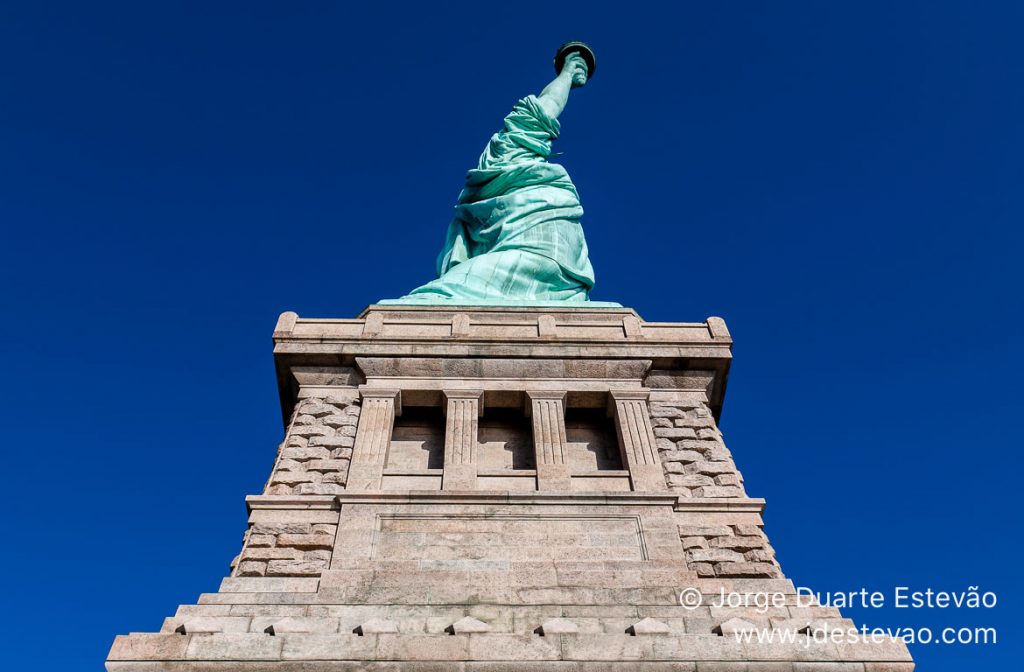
point(516, 236)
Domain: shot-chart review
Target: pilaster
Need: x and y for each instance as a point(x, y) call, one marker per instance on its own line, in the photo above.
point(373, 437)
point(547, 409)
point(636, 438)
point(462, 412)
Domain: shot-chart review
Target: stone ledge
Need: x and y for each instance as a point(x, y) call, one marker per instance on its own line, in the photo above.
point(518, 666)
point(507, 497)
point(679, 504)
point(524, 334)
point(284, 584)
point(482, 323)
point(301, 502)
point(508, 648)
point(723, 504)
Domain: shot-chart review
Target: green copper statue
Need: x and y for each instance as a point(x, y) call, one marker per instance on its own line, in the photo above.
point(516, 236)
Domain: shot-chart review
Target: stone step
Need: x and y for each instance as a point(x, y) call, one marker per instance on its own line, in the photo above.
point(490, 646)
point(434, 619)
point(299, 604)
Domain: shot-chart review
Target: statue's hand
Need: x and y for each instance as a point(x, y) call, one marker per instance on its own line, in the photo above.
point(576, 69)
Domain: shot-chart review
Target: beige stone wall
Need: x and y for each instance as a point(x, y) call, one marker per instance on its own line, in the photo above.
point(695, 459)
point(698, 465)
point(314, 457)
point(287, 549)
point(729, 551)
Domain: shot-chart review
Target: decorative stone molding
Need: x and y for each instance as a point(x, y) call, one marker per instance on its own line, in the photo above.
point(373, 437)
point(636, 438)
point(547, 411)
point(463, 409)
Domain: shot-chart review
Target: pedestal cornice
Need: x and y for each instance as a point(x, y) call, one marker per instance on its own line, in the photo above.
point(580, 334)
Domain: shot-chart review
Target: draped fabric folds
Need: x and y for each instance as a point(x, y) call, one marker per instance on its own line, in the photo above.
point(516, 233)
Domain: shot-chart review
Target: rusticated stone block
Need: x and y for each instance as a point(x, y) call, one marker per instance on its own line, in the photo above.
point(728, 480)
point(296, 441)
point(251, 568)
point(685, 456)
point(704, 530)
point(711, 468)
point(695, 542)
point(272, 553)
point(716, 452)
point(294, 477)
point(311, 430)
point(690, 480)
point(747, 530)
point(306, 453)
point(319, 489)
point(703, 569)
point(661, 411)
point(716, 555)
point(327, 465)
point(738, 543)
point(296, 567)
point(316, 410)
point(746, 569)
point(306, 541)
point(675, 433)
point(341, 441)
point(282, 528)
point(718, 491)
point(337, 421)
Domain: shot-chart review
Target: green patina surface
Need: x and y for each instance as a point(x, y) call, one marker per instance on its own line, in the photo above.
point(516, 237)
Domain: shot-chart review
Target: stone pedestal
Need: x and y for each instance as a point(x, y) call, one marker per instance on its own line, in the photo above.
point(500, 489)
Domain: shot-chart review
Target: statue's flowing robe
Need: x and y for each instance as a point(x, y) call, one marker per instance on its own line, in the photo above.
point(516, 233)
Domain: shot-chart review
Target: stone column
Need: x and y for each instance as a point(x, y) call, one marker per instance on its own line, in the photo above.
point(548, 412)
point(463, 409)
point(636, 439)
point(373, 437)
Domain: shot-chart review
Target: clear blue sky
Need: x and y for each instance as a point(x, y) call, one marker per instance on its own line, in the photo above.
point(840, 181)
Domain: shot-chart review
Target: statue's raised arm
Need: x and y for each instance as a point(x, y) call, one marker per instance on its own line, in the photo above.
point(574, 73)
point(516, 236)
